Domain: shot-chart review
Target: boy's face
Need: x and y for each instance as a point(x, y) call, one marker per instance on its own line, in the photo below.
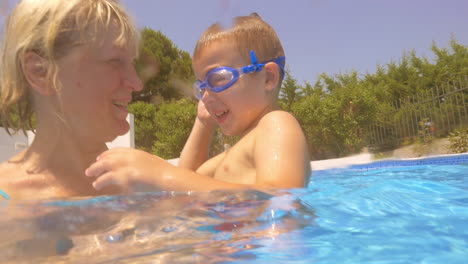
point(238, 108)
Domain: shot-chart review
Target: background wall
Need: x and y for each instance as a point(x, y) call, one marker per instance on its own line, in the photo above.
point(11, 145)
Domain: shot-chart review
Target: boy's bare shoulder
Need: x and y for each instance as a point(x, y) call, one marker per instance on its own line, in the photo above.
point(278, 118)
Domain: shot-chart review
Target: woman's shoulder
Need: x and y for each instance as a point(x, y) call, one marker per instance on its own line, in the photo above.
point(8, 170)
point(12, 166)
point(8, 167)
point(5, 172)
point(11, 173)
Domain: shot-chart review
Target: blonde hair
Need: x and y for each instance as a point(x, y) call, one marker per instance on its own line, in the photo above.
point(247, 33)
point(51, 28)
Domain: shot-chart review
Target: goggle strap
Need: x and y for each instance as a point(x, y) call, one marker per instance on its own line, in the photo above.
point(256, 66)
point(253, 57)
point(280, 62)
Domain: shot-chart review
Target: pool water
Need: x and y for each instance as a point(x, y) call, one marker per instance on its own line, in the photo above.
point(403, 213)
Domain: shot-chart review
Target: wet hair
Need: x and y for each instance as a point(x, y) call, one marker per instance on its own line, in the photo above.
point(247, 33)
point(51, 28)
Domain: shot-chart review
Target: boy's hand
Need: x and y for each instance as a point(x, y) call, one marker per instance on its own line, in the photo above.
point(130, 169)
point(204, 116)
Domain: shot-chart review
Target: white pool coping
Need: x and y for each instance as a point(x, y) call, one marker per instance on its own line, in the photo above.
point(363, 158)
point(359, 159)
point(326, 164)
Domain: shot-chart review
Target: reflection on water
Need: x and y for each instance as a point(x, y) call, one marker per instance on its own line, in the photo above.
point(401, 215)
point(164, 227)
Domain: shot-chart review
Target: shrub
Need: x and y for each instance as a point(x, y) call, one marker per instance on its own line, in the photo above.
point(174, 121)
point(459, 141)
point(144, 114)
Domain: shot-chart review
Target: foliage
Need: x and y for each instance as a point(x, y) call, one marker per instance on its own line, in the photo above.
point(145, 124)
point(174, 121)
point(289, 92)
point(333, 121)
point(459, 141)
point(165, 70)
point(336, 112)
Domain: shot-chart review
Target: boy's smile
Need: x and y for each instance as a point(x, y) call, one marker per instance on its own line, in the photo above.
point(221, 115)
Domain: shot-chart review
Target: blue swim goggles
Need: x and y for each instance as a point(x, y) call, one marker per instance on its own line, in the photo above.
point(221, 78)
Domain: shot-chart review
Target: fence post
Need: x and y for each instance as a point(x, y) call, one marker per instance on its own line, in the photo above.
point(446, 106)
point(463, 97)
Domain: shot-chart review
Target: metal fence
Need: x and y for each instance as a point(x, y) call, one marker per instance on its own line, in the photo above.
point(435, 112)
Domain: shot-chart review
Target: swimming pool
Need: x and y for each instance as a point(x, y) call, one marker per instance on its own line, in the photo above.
point(413, 211)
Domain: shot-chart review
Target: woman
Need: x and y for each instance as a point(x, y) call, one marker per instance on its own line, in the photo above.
point(68, 62)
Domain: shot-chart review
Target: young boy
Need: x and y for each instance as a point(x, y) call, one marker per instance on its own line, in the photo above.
point(239, 73)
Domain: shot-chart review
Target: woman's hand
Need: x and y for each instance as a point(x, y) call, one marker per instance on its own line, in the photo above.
point(130, 169)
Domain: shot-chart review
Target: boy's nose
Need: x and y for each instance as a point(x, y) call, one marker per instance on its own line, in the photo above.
point(208, 95)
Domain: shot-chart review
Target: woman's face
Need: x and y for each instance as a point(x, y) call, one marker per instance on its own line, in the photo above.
point(96, 87)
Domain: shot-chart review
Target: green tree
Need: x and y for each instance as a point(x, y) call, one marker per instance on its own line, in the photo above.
point(145, 124)
point(290, 92)
point(310, 90)
point(174, 121)
point(335, 112)
point(333, 121)
point(165, 70)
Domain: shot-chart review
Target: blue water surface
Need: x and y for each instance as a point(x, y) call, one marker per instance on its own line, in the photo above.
point(399, 214)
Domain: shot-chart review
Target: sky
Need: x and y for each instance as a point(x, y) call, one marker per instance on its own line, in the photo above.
point(319, 36)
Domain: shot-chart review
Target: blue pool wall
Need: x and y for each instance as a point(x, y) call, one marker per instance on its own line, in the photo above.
point(436, 160)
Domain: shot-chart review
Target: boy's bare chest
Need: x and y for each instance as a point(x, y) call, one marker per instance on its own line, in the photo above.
point(237, 165)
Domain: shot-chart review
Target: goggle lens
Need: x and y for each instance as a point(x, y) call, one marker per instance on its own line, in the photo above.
point(220, 78)
point(199, 89)
point(217, 80)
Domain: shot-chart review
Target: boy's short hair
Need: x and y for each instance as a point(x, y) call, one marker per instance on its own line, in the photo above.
point(51, 28)
point(248, 33)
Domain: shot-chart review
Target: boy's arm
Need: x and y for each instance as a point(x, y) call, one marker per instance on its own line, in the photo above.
point(196, 149)
point(281, 153)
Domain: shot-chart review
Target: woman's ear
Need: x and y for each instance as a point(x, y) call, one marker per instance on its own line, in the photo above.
point(36, 73)
point(272, 76)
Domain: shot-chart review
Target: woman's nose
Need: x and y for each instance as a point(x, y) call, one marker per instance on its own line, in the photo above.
point(132, 81)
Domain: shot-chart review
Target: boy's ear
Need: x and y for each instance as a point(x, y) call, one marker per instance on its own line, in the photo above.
point(35, 71)
point(272, 75)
